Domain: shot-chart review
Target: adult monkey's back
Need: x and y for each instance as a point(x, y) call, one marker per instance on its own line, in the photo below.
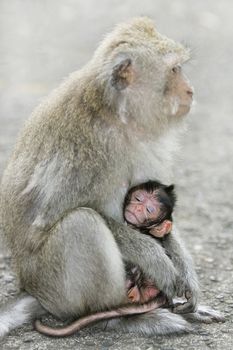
point(109, 126)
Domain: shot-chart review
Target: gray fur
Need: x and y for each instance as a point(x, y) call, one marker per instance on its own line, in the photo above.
point(75, 160)
point(18, 311)
point(163, 321)
point(160, 321)
point(204, 314)
point(187, 280)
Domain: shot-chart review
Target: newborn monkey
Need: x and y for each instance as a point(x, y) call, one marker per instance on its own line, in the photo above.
point(149, 206)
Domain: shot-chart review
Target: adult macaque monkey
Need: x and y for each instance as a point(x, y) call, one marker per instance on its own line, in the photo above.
point(107, 127)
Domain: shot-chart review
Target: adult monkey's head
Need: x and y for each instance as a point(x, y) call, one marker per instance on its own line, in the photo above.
point(143, 71)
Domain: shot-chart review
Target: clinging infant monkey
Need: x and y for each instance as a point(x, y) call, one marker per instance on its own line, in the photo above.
point(149, 207)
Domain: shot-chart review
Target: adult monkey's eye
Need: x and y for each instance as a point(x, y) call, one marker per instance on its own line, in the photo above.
point(176, 69)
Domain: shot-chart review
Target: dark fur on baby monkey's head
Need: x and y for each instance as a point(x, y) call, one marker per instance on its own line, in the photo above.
point(149, 204)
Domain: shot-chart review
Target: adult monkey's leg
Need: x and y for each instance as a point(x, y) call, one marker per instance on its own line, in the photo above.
point(91, 275)
point(79, 269)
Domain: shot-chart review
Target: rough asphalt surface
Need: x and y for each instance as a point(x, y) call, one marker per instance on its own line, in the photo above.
point(41, 42)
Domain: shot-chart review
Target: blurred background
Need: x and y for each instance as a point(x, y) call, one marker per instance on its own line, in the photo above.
point(42, 41)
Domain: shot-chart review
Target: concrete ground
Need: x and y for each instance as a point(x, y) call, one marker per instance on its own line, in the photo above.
point(41, 42)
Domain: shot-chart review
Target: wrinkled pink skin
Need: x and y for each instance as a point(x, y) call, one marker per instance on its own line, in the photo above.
point(143, 294)
point(144, 206)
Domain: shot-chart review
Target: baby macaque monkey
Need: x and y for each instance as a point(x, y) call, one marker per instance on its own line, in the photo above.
point(149, 206)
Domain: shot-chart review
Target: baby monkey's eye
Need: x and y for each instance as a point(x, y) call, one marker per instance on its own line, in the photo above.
point(150, 210)
point(138, 199)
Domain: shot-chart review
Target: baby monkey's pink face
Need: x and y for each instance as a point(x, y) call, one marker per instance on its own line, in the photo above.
point(142, 208)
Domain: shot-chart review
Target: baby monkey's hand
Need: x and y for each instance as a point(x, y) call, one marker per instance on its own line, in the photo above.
point(161, 230)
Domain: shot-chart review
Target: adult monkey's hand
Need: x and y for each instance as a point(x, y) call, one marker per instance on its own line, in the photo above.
point(187, 282)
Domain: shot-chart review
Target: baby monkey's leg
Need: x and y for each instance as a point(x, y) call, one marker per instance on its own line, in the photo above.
point(140, 289)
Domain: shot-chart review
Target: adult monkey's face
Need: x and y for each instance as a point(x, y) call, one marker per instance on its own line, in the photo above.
point(145, 81)
point(178, 93)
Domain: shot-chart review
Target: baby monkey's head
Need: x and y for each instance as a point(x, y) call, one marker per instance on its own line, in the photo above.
point(149, 206)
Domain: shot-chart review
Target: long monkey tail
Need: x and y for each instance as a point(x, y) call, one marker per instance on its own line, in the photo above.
point(88, 320)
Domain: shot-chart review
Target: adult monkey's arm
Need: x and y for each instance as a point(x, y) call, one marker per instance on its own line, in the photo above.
point(146, 252)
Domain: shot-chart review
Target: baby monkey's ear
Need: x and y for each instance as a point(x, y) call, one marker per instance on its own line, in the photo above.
point(170, 189)
point(123, 74)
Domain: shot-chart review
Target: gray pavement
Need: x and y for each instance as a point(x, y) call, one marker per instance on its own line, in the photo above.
point(43, 41)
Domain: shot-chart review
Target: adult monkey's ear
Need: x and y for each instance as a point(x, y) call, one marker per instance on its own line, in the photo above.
point(122, 74)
